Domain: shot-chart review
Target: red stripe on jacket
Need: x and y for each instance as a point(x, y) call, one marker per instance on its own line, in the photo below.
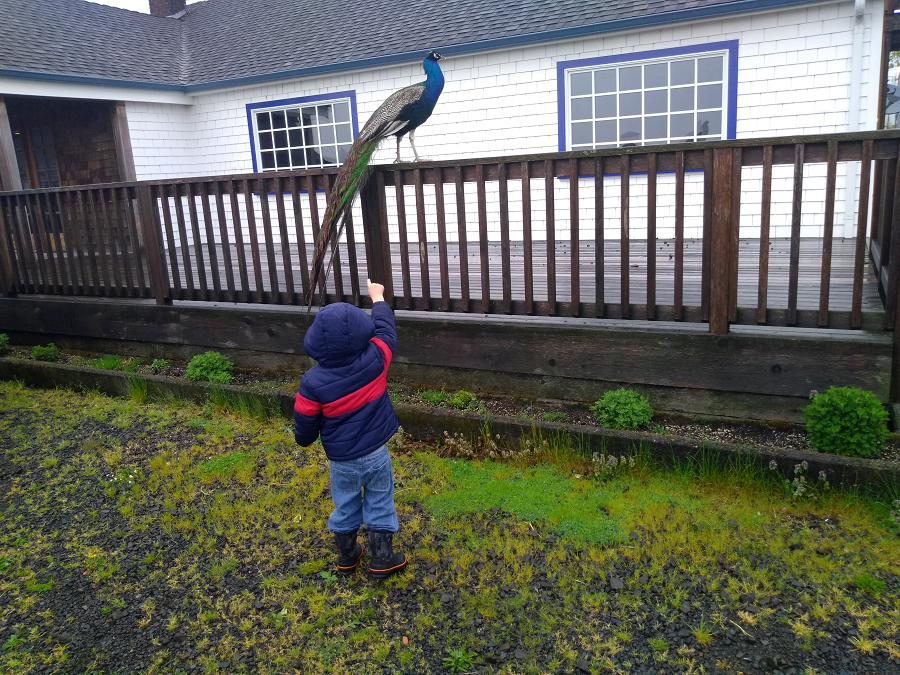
point(354, 400)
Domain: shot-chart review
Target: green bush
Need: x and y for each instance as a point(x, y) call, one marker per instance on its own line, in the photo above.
point(846, 421)
point(622, 409)
point(108, 362)
point(159, 364)
point(209, 367)
point(48, 353)
point(460, 399)
point(433, 396)
point(4, 342)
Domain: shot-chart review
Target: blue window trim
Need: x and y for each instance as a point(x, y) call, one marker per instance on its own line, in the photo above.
point(283, 103)
point(731, 46)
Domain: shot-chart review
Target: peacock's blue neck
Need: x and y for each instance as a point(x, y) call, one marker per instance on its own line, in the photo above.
point(434, 81)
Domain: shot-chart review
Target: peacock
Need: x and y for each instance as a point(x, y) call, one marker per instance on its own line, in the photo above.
point(400, 114)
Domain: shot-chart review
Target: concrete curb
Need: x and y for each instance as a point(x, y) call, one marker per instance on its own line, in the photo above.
point(874, 476)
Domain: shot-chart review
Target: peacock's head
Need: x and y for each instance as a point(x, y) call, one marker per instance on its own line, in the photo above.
point(434, 56)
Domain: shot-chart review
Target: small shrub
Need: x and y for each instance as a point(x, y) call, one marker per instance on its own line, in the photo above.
point(158, 364)
point(107, 362)
point(460, 399)
point(48, 353)
point(846, 421)
point(622, 409)
point(4, 342)
point(209, 367)
point(434, 397)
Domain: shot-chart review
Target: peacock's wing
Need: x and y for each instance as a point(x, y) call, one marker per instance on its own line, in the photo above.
point(391, 116)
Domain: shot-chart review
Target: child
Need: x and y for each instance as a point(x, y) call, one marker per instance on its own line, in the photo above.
point(344, 397)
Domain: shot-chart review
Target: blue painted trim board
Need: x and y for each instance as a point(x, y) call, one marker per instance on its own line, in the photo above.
point(283, 103)
point(677, 16)
point(731, 46)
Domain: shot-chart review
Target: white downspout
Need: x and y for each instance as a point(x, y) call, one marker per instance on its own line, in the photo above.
point(854, 118)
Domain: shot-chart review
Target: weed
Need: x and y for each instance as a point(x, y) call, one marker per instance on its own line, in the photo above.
point(48, 353)
point(158, 364)
point(846, 421)
point(209, 367)
point(35, 587)
point(49, 462)
point(459, 660)
point(328, 576)
point(433, 396)
point(869, 584)
point(226, 465)
point(137, 389)
point(13, 642)
point(800, 487)
point(131, 365)
point(108, 362)
point(553, 416)
point(658, 644)
point(622, 409)
point(702, 633)
point(4, 342)
point(895, 515)
point(460, 399)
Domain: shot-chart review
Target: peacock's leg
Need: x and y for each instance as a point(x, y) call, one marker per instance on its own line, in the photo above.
point(399, 137)
point(412, 135)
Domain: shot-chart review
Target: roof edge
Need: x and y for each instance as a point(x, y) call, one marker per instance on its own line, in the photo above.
point(677, 16)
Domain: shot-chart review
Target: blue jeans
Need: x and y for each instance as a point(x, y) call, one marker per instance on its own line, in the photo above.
point(363, 492)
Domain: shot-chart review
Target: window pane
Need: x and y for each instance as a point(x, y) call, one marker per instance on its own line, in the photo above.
point(344, 135)
point(283, 159)
point(656, 101)
point(582, 109)
point(325, 114)
point(326, 134)
point(682, 98)
point(709, 96)
point(709, 123)
point(298, 158)
point(656, 75)
point(329, 154)
point(581, 84)
point(682, 125)
point(293, 118)
point(342, 152)
point(655, 127)
point(296, 137)
point(312, 157)
point(311, 136)
point(309, 116)
point(268, 160)
point(278, 119)
point(709, 69)
point(605, 106)
point(582, 147)
point(342, 112)
point(682, 72)
point(630, 78)
point(630, 104)
point(581, 133)
point(265, 141)
point(280, 138)
point(262, 121)
point(605, 81)
point(606, 131)
point(630, 129)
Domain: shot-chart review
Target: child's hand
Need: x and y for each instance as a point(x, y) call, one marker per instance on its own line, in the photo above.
point(376, 291)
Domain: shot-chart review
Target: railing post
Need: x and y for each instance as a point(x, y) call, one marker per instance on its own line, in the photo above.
point(150, 228)
point(7, 269)
point(378, 247)
point(720, 263)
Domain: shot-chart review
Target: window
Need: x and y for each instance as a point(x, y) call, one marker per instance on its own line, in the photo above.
point(304, 133)
point(667, 96)
point(36, 157)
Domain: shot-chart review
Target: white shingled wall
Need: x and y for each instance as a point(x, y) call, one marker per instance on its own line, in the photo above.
point(793, 78)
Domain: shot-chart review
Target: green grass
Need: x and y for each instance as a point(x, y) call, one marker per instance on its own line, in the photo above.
point(108, 362)
point(435, 397)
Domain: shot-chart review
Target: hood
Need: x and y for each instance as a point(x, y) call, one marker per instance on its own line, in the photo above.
point(339, 334)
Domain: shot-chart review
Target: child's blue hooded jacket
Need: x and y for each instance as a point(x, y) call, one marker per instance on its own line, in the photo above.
point(344, 397)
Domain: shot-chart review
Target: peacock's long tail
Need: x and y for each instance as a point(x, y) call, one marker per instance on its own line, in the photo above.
point(350, 180)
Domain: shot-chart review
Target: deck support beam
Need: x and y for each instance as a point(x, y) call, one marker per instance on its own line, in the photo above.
point(9, 167)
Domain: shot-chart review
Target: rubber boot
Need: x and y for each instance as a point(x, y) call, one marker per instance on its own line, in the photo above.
point(349, 552)
point(384, 561)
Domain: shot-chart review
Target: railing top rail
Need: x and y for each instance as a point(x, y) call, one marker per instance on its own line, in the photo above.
point(882, 136)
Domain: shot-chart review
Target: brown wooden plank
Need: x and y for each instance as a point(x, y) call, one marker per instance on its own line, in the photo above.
point(574, 245)
point(423, 237)
point(258, 295)
point(526, 238)
point(301, 236)
point(404, 243)
point(130, 208)
point(226, 242)
point(384, 240)
point(678, 273)
point(599, 237)
point(796, 212)
point(36, 227)
point(483, 240)
point(765, 220)
point(285, 243)
point(505, 267)
point(720, 244)
point(152, 229)
point(66, 255)
point(198, 242)
point(188, 290)
point(9, 270)
point(120, 232)
point(25, 246)
point(109, 239)
point(47, 226)
point(707, 232)
point(377, 242)
point(442, 241)
point(98, 243)
point(75, 243)
point(651, 236)
point(352, 261)
point(262, 185)
point(550, 203)
point(463, 240)
point(242, 291)
point(861, 224)
point(827, 234)
point(214, 269)
point(735, 232)
point(625, 234)
point(884, 191)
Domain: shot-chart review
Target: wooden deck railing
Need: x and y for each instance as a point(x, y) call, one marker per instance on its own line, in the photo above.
point(542, 244)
